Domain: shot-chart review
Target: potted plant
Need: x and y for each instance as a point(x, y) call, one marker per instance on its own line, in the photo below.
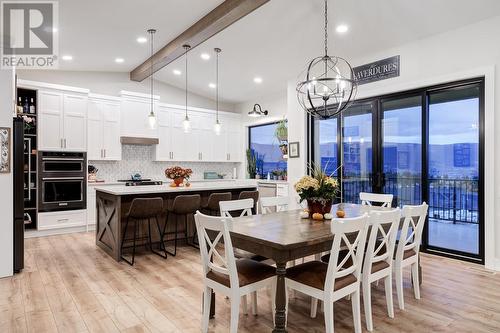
point(281, 132)
point(251, 163)
point(318, 190)
point(178, 175)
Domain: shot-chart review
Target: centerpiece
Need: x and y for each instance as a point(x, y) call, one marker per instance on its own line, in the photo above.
point(178, 175)
point(318, 190)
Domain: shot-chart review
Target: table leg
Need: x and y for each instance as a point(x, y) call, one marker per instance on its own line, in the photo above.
point(280, 298)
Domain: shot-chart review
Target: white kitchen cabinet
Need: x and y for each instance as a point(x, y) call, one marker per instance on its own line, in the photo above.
point(50, 120)
point(62, 219)
point(103, 128)
point(163, 149)
point(184, 145)
point(62, 121)
point(135, 109)
point(220, 153)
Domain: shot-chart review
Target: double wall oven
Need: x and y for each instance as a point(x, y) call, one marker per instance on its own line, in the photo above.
point(62, 181)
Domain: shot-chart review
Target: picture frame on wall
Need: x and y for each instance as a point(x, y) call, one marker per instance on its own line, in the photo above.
point(4, 150)
point(293, 150)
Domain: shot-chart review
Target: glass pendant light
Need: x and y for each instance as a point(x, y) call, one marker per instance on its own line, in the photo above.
point(217, 125)
point(186, 123)
point(152, 116)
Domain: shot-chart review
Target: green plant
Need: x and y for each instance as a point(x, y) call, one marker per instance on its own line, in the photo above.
point(251, 163)
point(318, 187)
point(281, 132)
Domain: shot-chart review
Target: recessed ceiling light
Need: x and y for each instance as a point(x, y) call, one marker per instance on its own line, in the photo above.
point(176, 72)
point(257, 79)
point(205, 56)
point(67, 57)
point(142, 40)
point(119, 60)
point(212, 85)
point(342, 28)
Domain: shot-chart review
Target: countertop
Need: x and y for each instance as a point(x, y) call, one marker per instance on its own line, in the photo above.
point(195, 186)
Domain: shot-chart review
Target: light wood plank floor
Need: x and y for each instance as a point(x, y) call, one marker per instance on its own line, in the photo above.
point(69, 285)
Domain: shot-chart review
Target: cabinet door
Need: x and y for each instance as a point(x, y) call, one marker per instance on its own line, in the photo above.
point(94, 132)
point(111, 131)
point(205, 135)
point(75, 122)
point(135, 122)
point(184, 145)
point(234, 146)
point(50, 120)
point(220, 152)
point(164, 147)
point(91, 206)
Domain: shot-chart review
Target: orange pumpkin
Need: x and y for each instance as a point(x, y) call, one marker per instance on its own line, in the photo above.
point(317, 216)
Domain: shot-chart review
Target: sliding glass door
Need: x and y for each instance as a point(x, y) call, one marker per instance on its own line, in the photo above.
point(402, 149)
point(454, 169)
point(422, 145)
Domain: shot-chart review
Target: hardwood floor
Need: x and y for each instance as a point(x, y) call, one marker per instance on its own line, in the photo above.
point(69, 285)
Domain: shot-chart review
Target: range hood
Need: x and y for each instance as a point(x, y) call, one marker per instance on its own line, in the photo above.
point(133, 140)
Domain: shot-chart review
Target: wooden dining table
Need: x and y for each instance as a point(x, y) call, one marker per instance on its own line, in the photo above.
point(285, 236)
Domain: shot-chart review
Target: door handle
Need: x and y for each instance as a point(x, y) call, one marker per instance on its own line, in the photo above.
point(65, 143)
point(104, 153)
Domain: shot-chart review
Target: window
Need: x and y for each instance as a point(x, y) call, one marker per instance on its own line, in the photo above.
point(263, 142)
point(419, 145)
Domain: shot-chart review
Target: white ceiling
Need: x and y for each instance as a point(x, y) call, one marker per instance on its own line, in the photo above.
point(274, 42)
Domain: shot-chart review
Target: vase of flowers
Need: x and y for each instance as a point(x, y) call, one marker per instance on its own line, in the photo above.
point(178, 175)
point(318, 190)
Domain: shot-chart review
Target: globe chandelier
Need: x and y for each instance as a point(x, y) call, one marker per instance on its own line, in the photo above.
point(329, 86)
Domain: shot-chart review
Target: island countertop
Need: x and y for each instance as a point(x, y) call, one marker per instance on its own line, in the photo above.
point(166, 188)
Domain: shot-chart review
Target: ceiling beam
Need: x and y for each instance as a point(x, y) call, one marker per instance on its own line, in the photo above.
point(214, 22)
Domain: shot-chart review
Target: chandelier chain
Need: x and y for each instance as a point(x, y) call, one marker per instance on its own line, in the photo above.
point(326, 27)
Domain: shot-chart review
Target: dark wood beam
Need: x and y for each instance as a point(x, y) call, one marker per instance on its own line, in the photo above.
point(214, 22)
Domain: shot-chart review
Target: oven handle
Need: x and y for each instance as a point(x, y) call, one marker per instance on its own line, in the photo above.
point(61, 159)
point(63, 178)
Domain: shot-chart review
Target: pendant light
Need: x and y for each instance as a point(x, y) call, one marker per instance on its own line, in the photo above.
point(329, 86)
point(186, 124)
point(152, 116)
point(217, 125)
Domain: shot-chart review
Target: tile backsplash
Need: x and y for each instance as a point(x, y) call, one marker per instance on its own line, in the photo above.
point(139, 159)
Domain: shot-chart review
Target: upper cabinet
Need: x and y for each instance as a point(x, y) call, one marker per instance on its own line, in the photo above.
point(135, 108)
point(62, 120)
point(104, 128)
point(200, 144)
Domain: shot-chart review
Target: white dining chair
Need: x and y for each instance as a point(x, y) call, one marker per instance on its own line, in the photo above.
point(224, 274)
point(377, 264)
point(384, 200)
point(244, 206)
point(407, 250)
point(339, 278)
point(278, 203)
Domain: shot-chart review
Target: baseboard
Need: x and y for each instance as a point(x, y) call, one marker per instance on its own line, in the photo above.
point(52, 232)
point(493, 265)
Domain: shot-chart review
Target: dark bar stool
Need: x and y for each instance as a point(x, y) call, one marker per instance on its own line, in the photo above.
point(142, 210)
point(251, 195)
point(184, 206)
point(212, 205)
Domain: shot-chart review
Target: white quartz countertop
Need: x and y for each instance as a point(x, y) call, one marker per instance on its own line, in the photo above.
point(195, 186)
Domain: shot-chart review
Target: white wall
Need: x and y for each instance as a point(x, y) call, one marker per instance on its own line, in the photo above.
point(467, 52)
point(6, 180)
point(277, 107)
point(111, 83)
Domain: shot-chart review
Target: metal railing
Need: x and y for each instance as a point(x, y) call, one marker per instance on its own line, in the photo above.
point(454, 200)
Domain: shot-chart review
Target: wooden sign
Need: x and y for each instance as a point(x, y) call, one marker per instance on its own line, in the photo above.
point(377, 71)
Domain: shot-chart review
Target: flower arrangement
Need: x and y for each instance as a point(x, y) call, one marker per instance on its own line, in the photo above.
point(178, 174)
point(318, 190)
point(29, 123)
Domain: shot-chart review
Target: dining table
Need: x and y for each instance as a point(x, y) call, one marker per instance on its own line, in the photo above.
point(285, 236)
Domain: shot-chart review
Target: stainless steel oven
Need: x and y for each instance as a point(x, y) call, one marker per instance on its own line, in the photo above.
point(62, 181)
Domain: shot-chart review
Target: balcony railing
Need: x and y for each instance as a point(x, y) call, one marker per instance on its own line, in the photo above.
point(454, 200)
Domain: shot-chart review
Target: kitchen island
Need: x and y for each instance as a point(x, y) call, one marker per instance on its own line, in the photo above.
point(113, 202)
